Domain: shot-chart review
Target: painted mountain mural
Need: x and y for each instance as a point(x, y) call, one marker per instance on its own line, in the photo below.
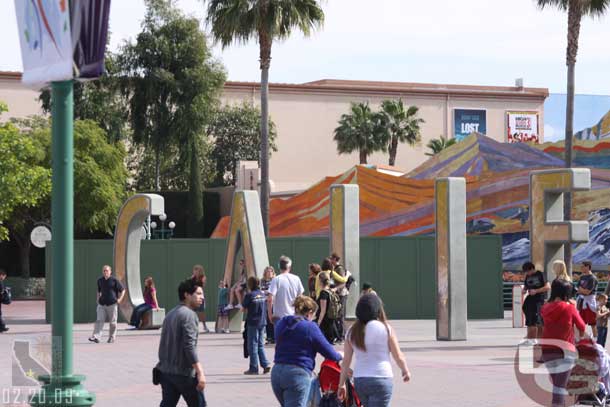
point(497, 176)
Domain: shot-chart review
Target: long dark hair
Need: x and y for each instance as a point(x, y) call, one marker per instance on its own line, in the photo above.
point(560, 290)
point(149, 284)
point(356, 333)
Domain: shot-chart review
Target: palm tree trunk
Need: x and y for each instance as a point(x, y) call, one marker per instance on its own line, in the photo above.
point(363, 157)
point(574, 20)
point(393, 151)
point(265, 63)
point(157, 169)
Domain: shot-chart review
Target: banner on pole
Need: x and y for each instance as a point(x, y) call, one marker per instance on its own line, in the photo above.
point(46, 44)
point(61, 39)
point(89, 22)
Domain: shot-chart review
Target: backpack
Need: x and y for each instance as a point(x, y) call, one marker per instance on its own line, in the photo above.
point(7, 297)
point(333, 309)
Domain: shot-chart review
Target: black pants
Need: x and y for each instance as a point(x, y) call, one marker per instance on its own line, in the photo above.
point(341, 319)
point(2, 325)
point(329, 329)
point(602, 333)
point(173, 386)
point(269, 330)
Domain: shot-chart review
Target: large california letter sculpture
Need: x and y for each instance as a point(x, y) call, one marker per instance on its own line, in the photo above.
point(549, 232)
point(345, 234)
point(127, 239)
point(451, 297)
point(246, 229)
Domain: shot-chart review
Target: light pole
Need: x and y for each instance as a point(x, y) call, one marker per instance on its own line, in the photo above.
point(62, 387)
point(163, 233)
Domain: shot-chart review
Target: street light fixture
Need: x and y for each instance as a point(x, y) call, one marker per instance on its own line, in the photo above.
point(162, 232)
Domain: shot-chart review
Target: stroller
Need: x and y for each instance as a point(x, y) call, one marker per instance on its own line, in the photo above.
point(328, 385)
point(590, 377)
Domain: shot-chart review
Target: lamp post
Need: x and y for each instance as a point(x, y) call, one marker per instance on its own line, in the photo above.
point(163, 233)
point(62, 387)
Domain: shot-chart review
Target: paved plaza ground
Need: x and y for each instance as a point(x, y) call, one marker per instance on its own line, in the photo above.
point(478, 372)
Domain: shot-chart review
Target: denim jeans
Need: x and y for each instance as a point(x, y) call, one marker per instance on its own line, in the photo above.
point(256, 348)
point(602, 333)
point(291, 385)
point(374, 391)
point(560, 365)
point(173, 386)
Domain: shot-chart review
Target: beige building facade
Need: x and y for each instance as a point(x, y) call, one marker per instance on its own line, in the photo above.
point(307, 114)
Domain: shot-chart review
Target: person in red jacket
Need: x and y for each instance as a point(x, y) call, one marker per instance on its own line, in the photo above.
point(559, 316)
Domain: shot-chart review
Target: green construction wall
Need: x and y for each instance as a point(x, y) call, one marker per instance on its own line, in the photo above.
point(400, 268)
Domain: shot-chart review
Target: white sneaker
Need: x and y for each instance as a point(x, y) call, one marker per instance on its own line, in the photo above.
point(238, 306)
point(226, 331)
point(229, 307)
point(528, 342)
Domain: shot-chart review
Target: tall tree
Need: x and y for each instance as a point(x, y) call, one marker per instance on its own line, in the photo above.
point(402, 125)
point(173, 86)
point(361, 130)
point(100, 100)
point(436, 145)
point(236, 131)
point(99, 182)
point(576, 9)
point(266, 21)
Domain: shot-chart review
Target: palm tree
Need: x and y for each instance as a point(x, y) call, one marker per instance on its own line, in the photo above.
point(436, 145)
point(266, 21)
point(577, 9)
point(361, 130)
point(402, 125)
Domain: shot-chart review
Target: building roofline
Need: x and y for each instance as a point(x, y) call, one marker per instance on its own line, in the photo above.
point(395, 88)
point(10, 75)
point(375, 87)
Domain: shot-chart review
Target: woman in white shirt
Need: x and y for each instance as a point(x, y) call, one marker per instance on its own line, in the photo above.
point(371, 340)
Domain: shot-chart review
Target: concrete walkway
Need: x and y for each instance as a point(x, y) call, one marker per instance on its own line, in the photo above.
point(478, 372)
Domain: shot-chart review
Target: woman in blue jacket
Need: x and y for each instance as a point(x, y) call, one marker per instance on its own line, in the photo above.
point(297, 341)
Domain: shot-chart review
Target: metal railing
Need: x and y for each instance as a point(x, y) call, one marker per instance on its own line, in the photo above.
point(507, 292)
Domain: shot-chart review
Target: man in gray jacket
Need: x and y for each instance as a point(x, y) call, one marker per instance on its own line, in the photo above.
point(181, 372)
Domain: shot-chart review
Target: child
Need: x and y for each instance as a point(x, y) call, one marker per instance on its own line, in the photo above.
point(602, 319)
point(255, 305)
point(268, 276)
point(200, 279)
point(222, 316)
point(238, 289)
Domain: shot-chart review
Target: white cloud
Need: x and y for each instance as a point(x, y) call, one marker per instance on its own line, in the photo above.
point(550, 134)
point(445, 41)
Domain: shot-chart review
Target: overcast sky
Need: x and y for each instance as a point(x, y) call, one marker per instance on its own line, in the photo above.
point(482, 42)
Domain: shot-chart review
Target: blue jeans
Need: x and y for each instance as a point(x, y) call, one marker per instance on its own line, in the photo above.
point(256, 348)
point(374, 391)
point(173, 386)
point(602, 333)
point(291, 385)
point(138, 312)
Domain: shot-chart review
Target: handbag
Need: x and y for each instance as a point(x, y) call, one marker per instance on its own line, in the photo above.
point(156, 376)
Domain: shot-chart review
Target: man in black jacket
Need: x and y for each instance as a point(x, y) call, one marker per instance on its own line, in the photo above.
point(181, 372)
point(3, 327)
